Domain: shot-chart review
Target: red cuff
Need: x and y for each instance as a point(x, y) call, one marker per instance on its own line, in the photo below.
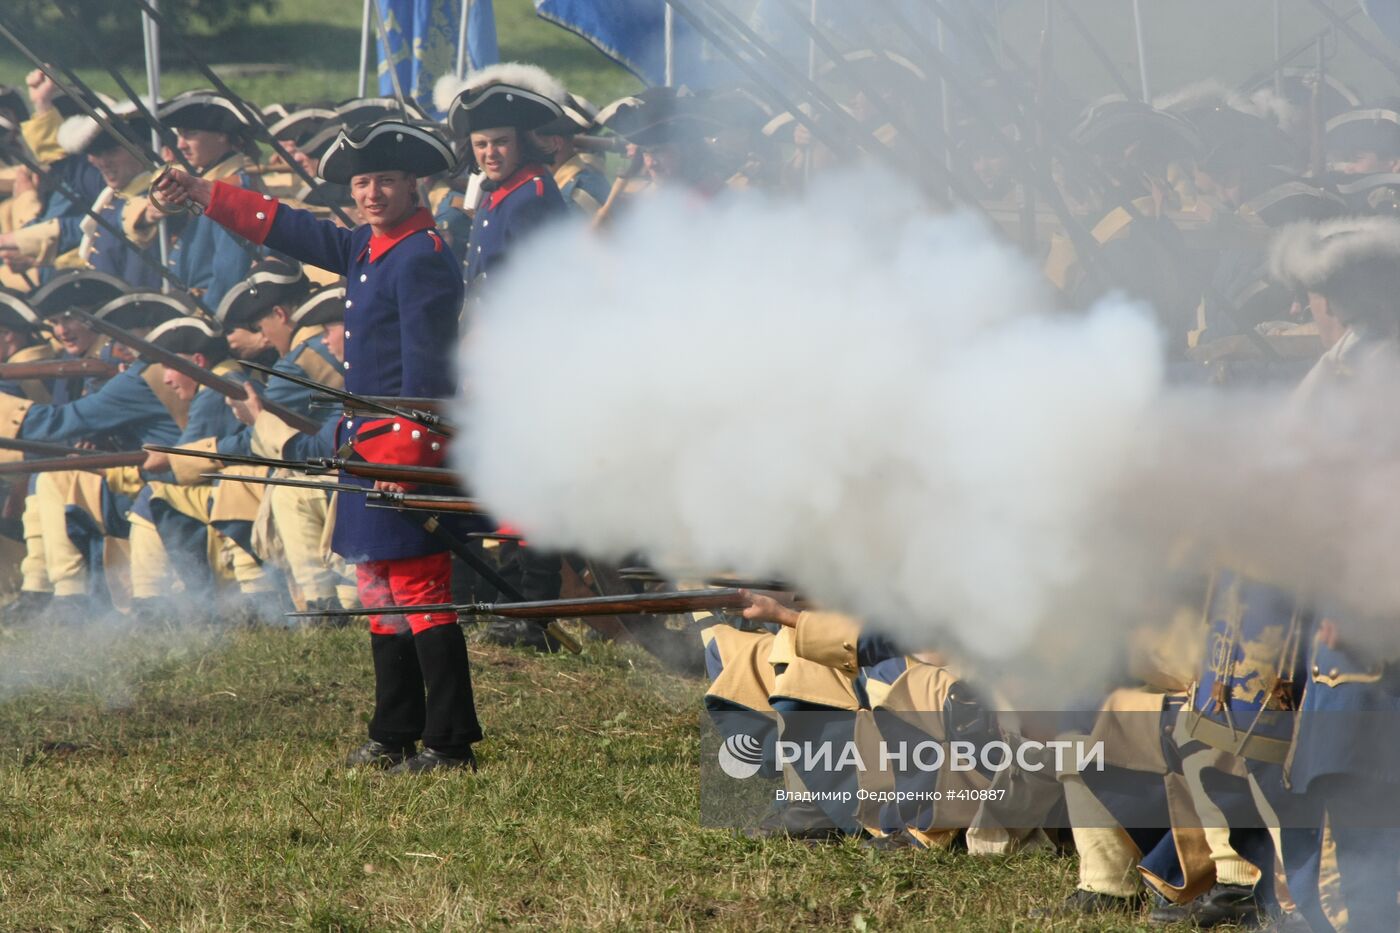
point(247, 213)
point(399, 441)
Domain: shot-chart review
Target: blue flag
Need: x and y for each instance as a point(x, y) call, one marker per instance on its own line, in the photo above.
point(633, 34)
point(423, 43)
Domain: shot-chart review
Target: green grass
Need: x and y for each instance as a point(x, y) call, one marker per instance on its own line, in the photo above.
point(194, 783)
point(316, 46)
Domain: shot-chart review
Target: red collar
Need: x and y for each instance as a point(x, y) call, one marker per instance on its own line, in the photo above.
point(381, 243)
point(522, 177)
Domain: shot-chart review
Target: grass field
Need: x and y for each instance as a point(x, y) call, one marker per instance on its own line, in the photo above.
point(194, 782)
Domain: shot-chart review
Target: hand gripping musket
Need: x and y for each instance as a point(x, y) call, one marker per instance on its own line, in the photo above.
point(59, 369)
point(250, 114)
point(225, 387)
point(320, 466)
point(83, 462)
point(428, 419)
point(383, 498)
point(641, 603)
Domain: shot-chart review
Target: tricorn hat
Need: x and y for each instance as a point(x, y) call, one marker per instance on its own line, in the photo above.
point(145, 309)
point(82, 135)
point(1376, 130)
point(390, 145)
point(11, 99)
point(325, 306)
point(580, 116)
point(660, 116)
point(1353, 261)
point(272, 281)
point(512, 94)
point(204, 110)
point(16, 314)
point(191, 335)
point(79, 289)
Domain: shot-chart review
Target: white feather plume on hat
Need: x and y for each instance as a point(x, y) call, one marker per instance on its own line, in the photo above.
point(1263, 103)
point(1307, 254)
point(77, 132)
point(518, 74)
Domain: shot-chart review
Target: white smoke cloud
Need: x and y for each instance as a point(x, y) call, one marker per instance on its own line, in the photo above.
point(874, 402)
point(884, 407)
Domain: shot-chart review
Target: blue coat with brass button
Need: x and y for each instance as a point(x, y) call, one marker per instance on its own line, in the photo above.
point(519, 206)
point(403, 298)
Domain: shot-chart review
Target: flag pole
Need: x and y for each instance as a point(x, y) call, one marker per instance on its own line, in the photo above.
point(461, 71)
point(364, 51)
point(1142, 51)
point(670, 42)
point(150, 38)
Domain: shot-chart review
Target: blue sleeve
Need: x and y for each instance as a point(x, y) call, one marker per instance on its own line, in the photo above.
point(123, 400)
point(429, 291)
point(309, 239)
point(233, 257)
point(70, 232)
point(287, 393)
point(310, 446)
point(209, 416)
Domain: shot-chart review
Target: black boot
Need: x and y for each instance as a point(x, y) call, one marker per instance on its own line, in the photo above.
point(28, 607)
point(329, 604)
point(451, 725)
point(71, 611)
point(1235, 904)
point(398, 691)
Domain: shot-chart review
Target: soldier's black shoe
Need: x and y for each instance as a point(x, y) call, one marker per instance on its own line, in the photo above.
point(71, 611)
point(1084, 903)
point(1224, 903)
point(432, 760)
point(804, 822)
point(329, 604)
point(518, 633)
point(28, 606)
point(374, 754)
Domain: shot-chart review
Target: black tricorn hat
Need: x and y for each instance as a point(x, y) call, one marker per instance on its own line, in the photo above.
point(326, 306)
point(16, 314)
point(390, 145)
point(300, 125)
point(660, 116)
point(204, 110)
point(1292, 201)
point(1376, 130)
point(510, 94)
point(190, 335)
point(82, 135)
point(357, 111)
point(80, 289)
point(272, 281)
point(580, 116)
point(145, 309)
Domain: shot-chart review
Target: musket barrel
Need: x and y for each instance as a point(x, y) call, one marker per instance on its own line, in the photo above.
point(88, 462)
point(59, 369)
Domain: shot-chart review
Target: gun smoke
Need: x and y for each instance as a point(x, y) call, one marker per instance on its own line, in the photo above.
point(885, 407)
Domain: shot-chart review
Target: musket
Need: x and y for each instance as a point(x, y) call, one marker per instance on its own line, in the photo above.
point(426, 418)
point(640, 603)
point(389, 499)
point(320, 466)
point(376, 403)
point(648, 575)
point(412, 503)
point(250, 114)
point(44, 449)
point(210, 380)
point(59, 369)
point(147, 113)
point(85, 462)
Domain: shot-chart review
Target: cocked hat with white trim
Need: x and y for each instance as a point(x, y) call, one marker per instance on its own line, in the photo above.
point(326, 306)
point(16, 314)
point(390, 145)
point(273, 281)
point(511, 94)
point(78, 289)
point(204, 110)
point(191, 335)
point(145, 309)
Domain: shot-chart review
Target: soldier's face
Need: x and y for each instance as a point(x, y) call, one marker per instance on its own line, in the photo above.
point(183, 386)
point(73, 335)
point(246, 343)
point(384, 198)
point(202, 147)
point(118, 167)
point(497, 151)
point(335, 340)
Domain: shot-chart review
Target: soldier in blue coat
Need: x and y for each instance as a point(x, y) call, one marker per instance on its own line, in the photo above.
point(497, 112)
point(403, 298)
point(212, 136)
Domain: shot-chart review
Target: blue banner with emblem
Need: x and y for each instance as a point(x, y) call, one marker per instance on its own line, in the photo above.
point(422, 43)
point(633, 34)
